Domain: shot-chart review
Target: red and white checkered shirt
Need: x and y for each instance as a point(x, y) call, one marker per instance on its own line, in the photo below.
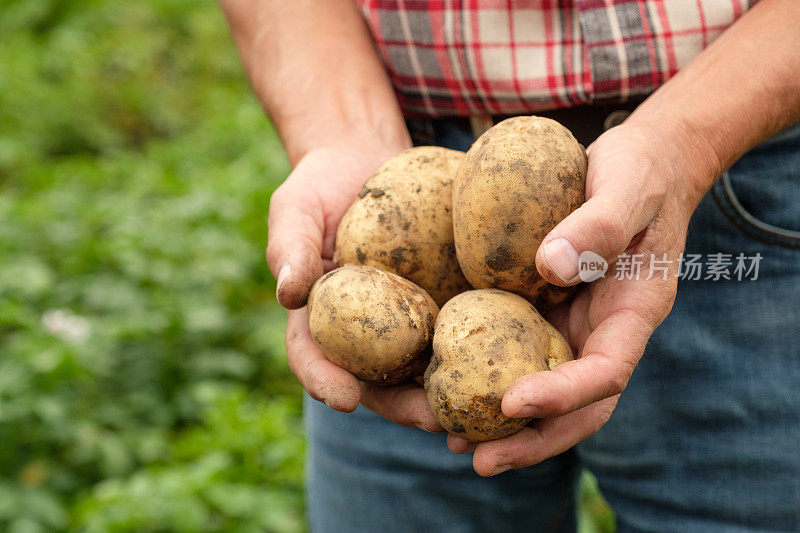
point(465, 57)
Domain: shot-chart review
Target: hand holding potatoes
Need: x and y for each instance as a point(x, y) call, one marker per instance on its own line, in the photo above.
point(303, 216)
point(639, 201)
point(371, 322)
point(633, 188)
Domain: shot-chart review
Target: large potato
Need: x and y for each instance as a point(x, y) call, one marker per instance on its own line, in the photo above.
point(520, 178)
point(483, 341)
point(372, 323)
point(402, 221)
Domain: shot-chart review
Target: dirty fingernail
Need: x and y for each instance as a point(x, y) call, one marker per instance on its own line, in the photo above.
point(499, 469)
point(283, 275)
point(526, 411)
point(562, 258)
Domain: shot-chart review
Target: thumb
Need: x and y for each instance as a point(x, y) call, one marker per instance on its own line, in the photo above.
point(605, 224)
point(294, 248)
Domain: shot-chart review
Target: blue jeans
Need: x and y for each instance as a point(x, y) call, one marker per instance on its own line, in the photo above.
point(705, 438)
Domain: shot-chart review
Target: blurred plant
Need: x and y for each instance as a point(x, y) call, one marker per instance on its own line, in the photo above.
point(142, 377)
point(143, 384)
point(594, 514)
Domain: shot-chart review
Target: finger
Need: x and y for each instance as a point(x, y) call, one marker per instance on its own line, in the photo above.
point(404, 404)
point(328, 265)
point(459, 445)
point(606, 224)
point(294, 249)
point(607, 362)
point(578, 325)
point(558, 315)
point(542, 440)
point(324, 381)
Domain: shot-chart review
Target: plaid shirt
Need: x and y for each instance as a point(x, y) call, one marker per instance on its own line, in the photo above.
point(466, 57)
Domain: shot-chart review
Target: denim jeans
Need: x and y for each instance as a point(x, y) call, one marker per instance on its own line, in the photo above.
point(706, 436)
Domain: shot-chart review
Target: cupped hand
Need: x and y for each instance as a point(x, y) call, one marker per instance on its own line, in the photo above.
point(303, 215)
point(641, 191)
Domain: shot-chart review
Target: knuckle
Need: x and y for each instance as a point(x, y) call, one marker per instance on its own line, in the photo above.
point(669, 300)
point(653, 307)
point(272, 253)
point(511, 455)
point(609, 224)
point(616, 384)
point(619, 377)
point(561, 402)
point(616, 374)
point(558, 405)
point(660, 309)
point(278, 196)
point(310, 382)
point(418, 412)
point(523, 452)
point(291, 353)
point(397, 414)
point(311, 378)
point(420, 418)
point(387, 403)
point(603, 414)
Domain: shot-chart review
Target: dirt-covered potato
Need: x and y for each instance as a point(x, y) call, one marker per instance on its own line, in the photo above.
point(402, 221)
point(372, 323)
point(483, 341)
point(520, 178)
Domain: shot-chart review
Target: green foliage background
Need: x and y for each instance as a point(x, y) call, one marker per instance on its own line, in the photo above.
point(143, 384)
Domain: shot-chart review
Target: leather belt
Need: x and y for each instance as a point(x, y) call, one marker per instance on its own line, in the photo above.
point(586, 122)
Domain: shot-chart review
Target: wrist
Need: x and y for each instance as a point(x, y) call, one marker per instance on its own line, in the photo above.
point(682, 149)
point(378, 140)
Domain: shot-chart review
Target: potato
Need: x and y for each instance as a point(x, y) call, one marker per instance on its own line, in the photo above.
point(520, 178)
point(372, 323)
point(484, 340)
point(402, 222)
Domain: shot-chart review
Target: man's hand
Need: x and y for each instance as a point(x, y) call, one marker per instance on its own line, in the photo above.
point(645, 180)
point(303, 215)
point(640, 196)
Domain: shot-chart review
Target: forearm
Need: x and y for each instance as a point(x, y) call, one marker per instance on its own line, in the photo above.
point(314, 68)
point(742, 89)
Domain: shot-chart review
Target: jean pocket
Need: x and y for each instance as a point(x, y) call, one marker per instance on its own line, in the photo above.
point(726, 198)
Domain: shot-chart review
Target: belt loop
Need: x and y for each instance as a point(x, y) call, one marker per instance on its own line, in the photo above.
point(480, 123)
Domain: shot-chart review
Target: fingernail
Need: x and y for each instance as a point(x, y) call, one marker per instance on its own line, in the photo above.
point(562, 259)
point(499, 469)
point(283, 275)
point(528, 411)
point(458, 442)
point(421, 426)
